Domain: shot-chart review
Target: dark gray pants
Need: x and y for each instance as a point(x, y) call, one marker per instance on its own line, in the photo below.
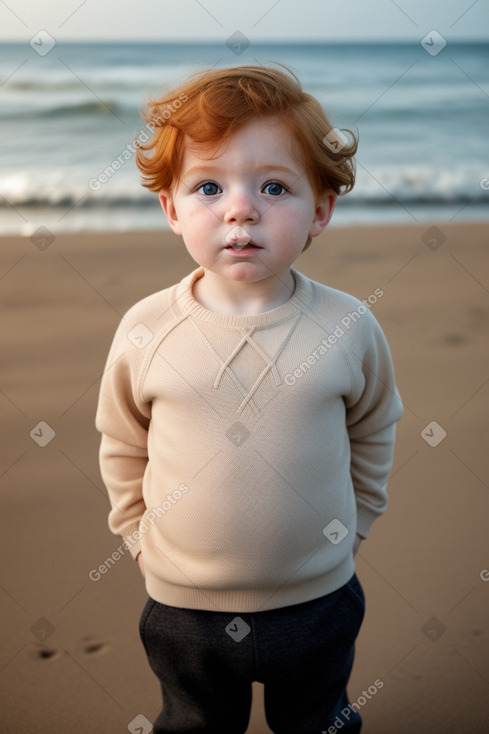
point(303, 654)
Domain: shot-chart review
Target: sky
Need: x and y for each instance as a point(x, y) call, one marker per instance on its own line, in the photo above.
point(258, 20)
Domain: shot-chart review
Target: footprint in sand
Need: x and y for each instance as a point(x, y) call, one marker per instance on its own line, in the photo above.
point(45, 652)
point(93, 646)
point(90, 646)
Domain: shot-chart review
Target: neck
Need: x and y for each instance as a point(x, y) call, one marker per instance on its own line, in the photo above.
point(224, 296)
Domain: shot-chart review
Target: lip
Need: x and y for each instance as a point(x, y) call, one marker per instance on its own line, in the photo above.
point(247, 251)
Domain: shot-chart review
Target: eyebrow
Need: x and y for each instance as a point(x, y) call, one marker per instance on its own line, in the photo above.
point(208, 170)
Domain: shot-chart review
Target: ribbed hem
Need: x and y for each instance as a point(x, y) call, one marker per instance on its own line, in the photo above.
point(184, 301)
point(249, 600)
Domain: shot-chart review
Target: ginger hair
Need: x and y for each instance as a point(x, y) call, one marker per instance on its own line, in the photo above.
point(211, 105)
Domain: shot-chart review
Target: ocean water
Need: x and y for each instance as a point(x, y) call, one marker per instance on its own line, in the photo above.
point(422, 120)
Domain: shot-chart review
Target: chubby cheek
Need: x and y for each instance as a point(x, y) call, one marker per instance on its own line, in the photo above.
point(196, 248)
point(196, 229)
point(292, 230)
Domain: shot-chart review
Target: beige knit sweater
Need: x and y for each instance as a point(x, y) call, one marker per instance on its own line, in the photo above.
point(242, 453)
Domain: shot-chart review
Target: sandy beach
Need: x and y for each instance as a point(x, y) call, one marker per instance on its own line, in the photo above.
point(70, 658)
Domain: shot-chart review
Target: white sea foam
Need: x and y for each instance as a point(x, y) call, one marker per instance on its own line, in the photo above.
point(423, 144)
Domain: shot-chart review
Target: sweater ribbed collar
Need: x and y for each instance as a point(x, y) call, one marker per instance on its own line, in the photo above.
point(185, 302)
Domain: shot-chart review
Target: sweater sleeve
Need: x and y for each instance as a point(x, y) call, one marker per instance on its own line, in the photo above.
point(123, 421)
point(371, 417)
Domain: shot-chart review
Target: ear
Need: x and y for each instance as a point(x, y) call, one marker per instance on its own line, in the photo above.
point(324, 211)
point(166, 201)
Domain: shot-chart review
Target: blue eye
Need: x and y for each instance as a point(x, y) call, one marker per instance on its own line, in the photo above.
point(209, 188)
point(274, 189)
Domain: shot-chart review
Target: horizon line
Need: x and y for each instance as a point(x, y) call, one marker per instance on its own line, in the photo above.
point(261, 41)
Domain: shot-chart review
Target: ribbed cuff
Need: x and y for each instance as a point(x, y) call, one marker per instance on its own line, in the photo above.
point(131, 536)
point(365, 519)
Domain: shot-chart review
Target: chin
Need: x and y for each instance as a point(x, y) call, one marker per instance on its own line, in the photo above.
point(245, 273)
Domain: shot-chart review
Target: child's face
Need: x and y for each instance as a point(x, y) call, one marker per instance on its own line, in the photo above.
point(255, 194)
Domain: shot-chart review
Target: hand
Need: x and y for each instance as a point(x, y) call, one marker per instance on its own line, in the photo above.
point(141, 564)
point(356, 546)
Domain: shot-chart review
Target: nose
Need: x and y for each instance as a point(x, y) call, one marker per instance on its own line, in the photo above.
point(240, 208)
